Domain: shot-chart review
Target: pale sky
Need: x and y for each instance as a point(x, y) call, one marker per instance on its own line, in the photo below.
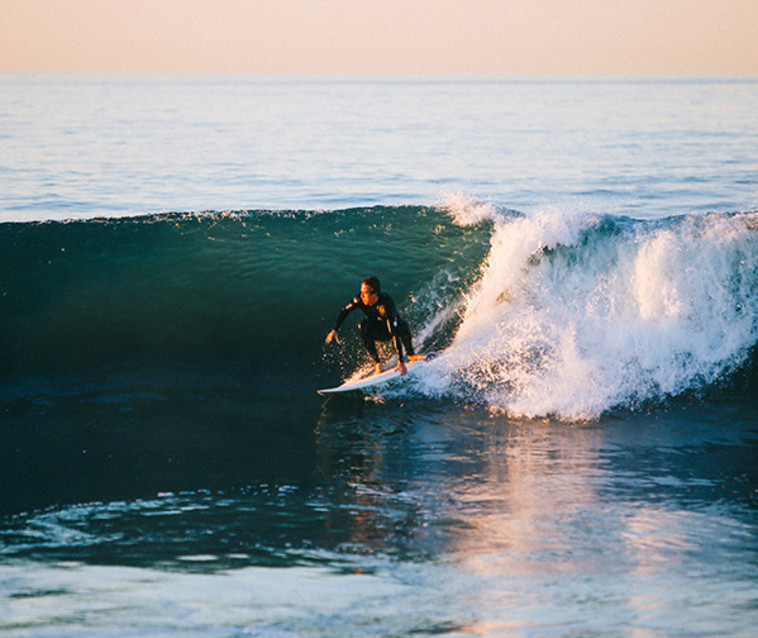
point(388, 37)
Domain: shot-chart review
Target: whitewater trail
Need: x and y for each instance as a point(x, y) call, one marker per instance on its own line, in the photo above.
point(575, 314)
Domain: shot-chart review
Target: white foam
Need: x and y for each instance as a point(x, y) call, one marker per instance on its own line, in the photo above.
point(575, 313)
point(467, 210)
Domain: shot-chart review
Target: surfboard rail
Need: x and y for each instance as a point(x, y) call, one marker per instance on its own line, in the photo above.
point(376, 379)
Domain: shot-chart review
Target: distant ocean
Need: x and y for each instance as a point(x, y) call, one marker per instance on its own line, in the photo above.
point(581, 459)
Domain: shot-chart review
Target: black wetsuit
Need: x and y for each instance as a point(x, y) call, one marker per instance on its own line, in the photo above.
point(382, 323)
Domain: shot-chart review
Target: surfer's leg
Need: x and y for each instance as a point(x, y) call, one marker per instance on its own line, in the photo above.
point(368, 340)
point(405, 336)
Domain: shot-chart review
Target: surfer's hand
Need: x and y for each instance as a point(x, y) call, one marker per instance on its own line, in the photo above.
point(400, 367)
point(332, 336)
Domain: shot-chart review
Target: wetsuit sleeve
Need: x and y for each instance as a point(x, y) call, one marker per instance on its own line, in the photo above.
point(345, 311)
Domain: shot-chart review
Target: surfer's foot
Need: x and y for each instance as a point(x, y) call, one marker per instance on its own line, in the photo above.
point(377, 368)
point(416, 357)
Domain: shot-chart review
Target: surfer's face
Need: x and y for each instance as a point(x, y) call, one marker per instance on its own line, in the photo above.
point(368, 296)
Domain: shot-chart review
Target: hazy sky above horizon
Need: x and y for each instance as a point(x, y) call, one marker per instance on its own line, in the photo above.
point(392, 37)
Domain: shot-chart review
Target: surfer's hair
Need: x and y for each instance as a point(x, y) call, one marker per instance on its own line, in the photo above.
point(373, 283)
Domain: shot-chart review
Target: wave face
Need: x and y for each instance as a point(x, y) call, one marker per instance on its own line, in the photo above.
point(555, 313)
point(260, 289)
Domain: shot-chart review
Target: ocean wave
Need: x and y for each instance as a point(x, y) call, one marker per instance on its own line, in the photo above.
point(556, 312)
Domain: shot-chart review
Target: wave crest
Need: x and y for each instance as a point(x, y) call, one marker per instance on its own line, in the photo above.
point(575, 314)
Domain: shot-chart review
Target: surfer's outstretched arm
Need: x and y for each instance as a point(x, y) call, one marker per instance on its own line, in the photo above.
point(344, 312)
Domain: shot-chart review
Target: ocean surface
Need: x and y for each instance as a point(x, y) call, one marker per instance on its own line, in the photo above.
point(580, 460)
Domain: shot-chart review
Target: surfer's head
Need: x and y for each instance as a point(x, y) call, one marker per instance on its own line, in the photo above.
point(370, 290)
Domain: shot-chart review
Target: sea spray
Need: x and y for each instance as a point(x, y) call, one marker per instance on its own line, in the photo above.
point(575, 314)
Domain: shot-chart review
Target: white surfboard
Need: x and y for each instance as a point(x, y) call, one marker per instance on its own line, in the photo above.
point(375, 379)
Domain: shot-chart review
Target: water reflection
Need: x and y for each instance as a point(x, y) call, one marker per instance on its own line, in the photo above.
point(483, 482)
point(549, 520)
point(451, 517)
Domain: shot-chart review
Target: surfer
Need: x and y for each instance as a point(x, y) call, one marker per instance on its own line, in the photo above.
point(382, 323)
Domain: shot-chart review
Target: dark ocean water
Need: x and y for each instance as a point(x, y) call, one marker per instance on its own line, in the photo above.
point(581, 459)
point(212, 317)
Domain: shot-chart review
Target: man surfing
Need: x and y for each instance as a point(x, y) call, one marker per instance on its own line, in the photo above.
point(382, 323)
